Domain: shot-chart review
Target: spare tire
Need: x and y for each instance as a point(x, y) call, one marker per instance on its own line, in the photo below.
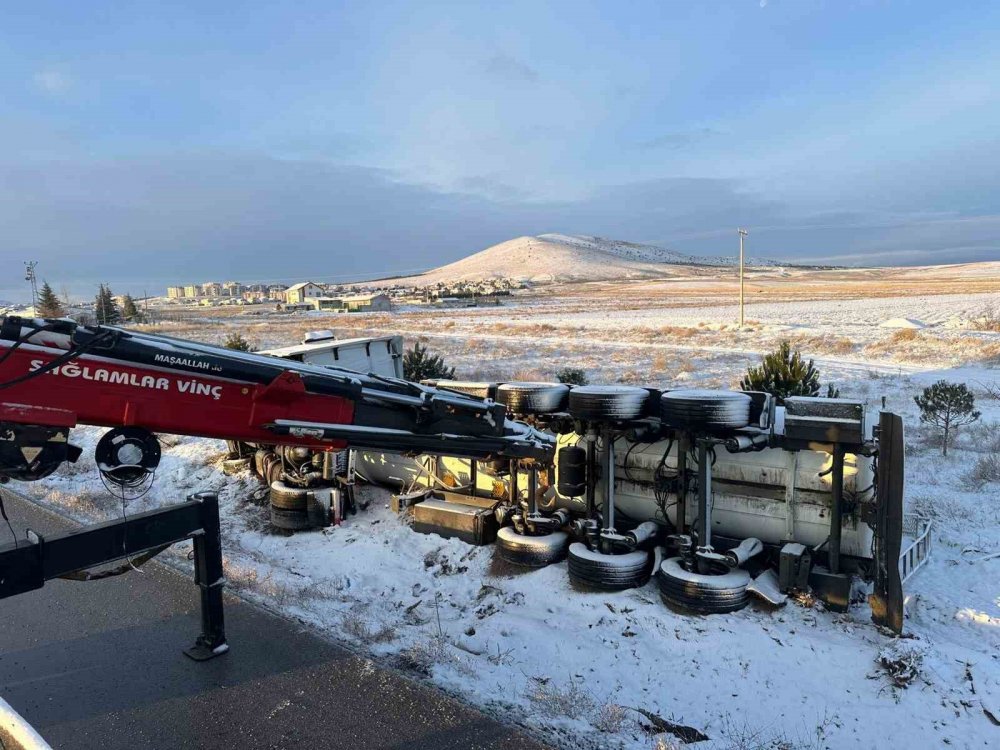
point(288, 497)
point(703, 408)
point(722, 590)
point(290, 506)
point(290, 520)
point(611, 402)
point(532, 398)
point(469, 388)
point(531, 551)
point(231, 466)
point(609, 572)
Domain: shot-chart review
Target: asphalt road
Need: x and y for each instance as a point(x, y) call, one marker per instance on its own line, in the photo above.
point(99, 665)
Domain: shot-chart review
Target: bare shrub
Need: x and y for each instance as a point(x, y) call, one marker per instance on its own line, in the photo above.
point(738, 734)
point(986, 470)
point(529, 376)
point(660, 362)
point(362, 630)
point(571, 701)
point(989, 389)
point(902, 661)
point(421, 657)
point(611, 718)
point(988, 321)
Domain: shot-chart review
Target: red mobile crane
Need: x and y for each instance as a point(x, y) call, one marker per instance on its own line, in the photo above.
point(57, 374)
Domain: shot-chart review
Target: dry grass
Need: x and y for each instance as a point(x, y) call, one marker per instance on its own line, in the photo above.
point(361, 630)
point(572, 701)
point(825, 344)
point(904, 335)
point(915, 346)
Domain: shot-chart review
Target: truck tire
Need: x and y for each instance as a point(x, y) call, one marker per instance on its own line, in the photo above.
point(231, 466)
point(609, 572)
point(607, 402)
point(723, 590)
point(531, 551)
point(290, 506)
point(290, 520)
point(703, 408)
point(532, 398)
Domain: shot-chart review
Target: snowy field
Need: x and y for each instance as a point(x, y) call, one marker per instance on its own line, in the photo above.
point(621, 670)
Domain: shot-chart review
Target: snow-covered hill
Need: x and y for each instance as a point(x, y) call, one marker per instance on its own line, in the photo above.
point(563, 257)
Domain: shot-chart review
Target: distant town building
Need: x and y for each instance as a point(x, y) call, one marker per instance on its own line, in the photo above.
point(175, 292)
point(303, 292)
point(276, 292)
point(255, 296)
point(191, 290)
point(357, 303)
point(368, 303)
point(211, 289)
point(232, 289)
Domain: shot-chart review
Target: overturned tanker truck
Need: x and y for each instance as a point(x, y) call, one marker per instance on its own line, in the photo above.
point(715, 493)
point(707, 491)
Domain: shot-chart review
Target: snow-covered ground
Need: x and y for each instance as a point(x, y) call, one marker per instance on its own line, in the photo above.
point(588, 669)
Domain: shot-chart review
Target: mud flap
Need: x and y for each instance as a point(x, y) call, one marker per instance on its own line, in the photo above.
point(887, 598)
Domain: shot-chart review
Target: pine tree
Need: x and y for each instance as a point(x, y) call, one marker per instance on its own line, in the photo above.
point(947, 406)
point(105, 308)
point(572, 376)
point(129, 311)
point(419, 365)
point(783, 373)
point(236, 342)
point(49, 305)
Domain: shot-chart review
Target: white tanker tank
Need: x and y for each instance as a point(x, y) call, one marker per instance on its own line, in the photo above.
point(775, 494)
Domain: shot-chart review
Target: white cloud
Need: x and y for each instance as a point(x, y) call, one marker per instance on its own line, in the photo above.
point(52, 81)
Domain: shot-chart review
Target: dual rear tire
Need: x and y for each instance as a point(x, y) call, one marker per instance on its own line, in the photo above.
point(531, 551)
point(609, 572)
point(721, 590)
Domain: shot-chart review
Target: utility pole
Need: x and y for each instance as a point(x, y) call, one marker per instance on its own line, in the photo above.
point(743, 233)
point(29, 276)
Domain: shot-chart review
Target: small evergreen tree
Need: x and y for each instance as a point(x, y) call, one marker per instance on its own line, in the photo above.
point(130, 312)
point(105, 308)
point(49, 305)
point(947, 406)
point(236, 342)
point(572, 376)
point(419, 365)
point(784, 373)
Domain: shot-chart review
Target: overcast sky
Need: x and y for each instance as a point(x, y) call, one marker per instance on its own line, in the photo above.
point(147, 145)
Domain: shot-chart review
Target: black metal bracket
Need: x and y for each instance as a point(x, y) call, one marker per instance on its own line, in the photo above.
point(26, 566)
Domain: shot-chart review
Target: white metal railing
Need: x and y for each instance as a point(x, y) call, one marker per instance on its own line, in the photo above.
point(913, 557)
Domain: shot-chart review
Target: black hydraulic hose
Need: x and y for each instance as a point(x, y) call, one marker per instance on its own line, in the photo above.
point(23, 339)
point(59, 361)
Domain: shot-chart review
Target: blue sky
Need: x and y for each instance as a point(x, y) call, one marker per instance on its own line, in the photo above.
point(153, 143)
